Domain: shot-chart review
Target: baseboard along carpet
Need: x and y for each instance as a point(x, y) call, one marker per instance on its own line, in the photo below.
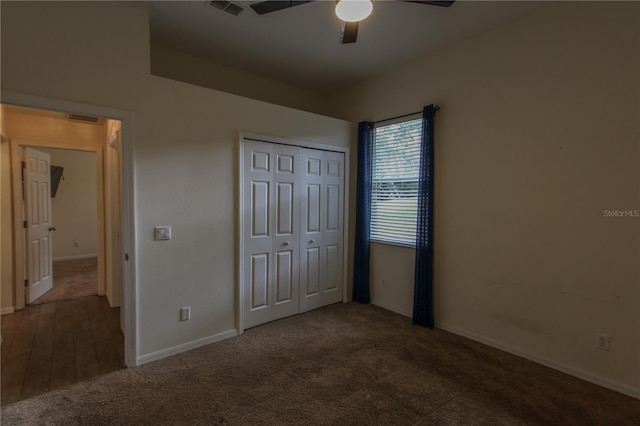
point(343, 364)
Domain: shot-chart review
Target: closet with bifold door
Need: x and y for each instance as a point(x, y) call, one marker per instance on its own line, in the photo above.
point(292, 229)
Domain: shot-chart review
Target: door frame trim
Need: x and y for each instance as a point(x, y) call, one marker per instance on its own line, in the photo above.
point(129, 285)
point(17, 152)
point(240, 208)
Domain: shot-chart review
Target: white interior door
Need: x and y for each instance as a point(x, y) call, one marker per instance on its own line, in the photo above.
point(37, 199)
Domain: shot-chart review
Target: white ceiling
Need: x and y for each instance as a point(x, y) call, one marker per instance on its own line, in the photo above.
point(300, 46)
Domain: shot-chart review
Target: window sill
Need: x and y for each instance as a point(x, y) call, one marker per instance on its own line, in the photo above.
point(389, 243)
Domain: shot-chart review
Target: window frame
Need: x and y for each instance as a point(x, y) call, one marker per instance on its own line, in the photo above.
point(385, 123)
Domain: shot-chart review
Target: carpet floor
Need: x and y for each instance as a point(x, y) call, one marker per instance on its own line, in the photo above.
point(343, 364)
point(72, 279)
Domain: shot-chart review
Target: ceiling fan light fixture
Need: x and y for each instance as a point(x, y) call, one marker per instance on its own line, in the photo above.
point(353, 10)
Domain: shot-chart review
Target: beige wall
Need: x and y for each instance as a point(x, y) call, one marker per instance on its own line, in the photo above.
point(180, 66)
point(74, 209)
point(537, 136)
point(184, 148)
point(6, 227)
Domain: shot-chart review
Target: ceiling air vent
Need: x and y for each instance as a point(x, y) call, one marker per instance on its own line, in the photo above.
point(84, 119)
point(227, 6)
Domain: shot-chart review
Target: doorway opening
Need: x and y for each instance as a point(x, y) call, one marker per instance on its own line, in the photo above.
point(57, 336)
point(74, 217)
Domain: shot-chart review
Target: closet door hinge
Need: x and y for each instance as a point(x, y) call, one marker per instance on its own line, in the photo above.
point(25, 223)
point(26, 283)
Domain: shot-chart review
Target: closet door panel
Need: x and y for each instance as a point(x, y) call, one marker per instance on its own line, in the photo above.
point(286, 239)
point(311, 229)
point(332, 228)
point(257, 222)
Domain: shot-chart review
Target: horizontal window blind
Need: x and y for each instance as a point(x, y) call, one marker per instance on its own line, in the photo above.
point(394, 192)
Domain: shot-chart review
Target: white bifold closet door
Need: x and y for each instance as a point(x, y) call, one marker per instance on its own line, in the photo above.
point(321, 228)
point(293, 201)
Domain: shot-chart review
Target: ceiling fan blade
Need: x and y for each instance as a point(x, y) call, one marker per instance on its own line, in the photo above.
point(274, 6)
point(349, 32)
point(442, 3)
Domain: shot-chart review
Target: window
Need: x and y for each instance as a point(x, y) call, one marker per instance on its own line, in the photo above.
point(394, 183)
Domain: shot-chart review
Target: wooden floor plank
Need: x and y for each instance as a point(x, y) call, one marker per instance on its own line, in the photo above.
point(86, 372)
point(82, 329)
point(85, 352)
point(37, 377)
point(11, 395)
point(64, 307)
point(22, 343)
point(108, 358)
point(44, 335)
point(14, 370)
point(79, 308)
point(95, 308)
point(47, 308)
point(8, 333)
point(63, 373)
point(63, 347)
point(101, 331)
point(64, 324)
point(119, 344)
point(28, 323)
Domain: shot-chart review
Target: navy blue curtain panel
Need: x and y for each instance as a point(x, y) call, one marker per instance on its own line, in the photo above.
point(423, 279)
point(361, 292)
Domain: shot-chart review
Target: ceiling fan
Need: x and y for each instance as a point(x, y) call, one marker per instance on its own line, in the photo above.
point(351, 12)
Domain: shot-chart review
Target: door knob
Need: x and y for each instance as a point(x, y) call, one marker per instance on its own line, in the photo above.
point(286, 243)
point(52, 229)
point(312, 241)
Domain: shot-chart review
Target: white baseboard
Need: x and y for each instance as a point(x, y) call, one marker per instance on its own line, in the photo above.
point(154, 356)
point(79, 256)
point(393, 309)
point(584, 375)
point(6, 311)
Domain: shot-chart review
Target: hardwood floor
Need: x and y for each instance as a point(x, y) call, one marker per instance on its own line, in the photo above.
point(57, 344)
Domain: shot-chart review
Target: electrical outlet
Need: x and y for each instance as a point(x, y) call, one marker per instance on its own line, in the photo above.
point(185, 313)
point(603, 341)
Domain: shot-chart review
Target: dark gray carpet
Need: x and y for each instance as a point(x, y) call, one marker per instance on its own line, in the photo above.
point(344, 364)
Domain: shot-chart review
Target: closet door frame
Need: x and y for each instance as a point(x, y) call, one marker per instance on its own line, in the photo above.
point(239, 185)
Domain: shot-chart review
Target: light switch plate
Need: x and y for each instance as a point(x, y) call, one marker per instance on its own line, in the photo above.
point(162, 233)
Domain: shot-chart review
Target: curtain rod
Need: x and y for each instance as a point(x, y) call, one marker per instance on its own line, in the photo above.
point(436, 108)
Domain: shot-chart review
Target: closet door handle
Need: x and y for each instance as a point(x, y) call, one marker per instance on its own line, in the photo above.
point(52, 229)
point(312, 241)
point(286, 243)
